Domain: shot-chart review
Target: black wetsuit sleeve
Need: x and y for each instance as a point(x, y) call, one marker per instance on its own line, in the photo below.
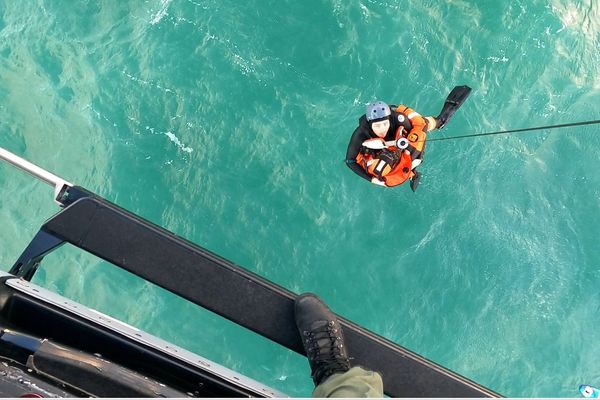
point(354, 147)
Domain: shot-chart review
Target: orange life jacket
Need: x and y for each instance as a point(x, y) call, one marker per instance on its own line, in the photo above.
point(403, 170)
point(417, 135)
point(392, 177)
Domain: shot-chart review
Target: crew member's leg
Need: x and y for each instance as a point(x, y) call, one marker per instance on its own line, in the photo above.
point(357, 382)
point(323, 342)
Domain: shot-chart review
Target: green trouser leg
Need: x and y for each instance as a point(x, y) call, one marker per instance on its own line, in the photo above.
point(356, 382)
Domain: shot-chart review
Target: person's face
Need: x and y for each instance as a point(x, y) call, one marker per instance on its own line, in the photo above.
point(380, 128)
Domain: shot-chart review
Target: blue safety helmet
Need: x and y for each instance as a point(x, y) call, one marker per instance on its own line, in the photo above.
point(377, 110)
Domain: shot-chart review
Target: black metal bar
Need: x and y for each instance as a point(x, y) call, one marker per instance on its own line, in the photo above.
point(42, 244)
point(159, 256)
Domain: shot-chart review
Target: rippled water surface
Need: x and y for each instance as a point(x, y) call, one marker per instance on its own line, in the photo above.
point(228, 122)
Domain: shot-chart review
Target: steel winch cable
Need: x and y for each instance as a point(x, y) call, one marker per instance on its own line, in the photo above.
point(537, 128)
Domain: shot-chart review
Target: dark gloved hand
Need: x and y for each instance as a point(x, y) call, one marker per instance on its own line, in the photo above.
point(386, 162)
point(392, 158)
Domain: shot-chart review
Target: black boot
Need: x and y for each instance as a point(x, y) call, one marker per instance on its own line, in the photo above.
point(321, 336)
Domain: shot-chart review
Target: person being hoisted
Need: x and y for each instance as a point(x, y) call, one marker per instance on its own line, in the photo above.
point(388, 144)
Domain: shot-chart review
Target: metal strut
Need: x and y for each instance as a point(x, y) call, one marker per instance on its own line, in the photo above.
point(60, 185)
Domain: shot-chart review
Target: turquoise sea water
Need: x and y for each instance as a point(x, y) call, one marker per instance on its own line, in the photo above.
point(227, 123)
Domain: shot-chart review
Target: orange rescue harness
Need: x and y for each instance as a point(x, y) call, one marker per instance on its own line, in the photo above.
point(403, 169)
